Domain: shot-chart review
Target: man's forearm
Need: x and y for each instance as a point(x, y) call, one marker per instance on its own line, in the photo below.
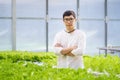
point(70, 54)
point(66, 50)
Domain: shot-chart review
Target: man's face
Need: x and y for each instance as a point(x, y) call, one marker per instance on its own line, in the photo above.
point(69, 20)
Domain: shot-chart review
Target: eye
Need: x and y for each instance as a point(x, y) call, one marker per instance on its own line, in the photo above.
point(71, 19)
point(68, 19)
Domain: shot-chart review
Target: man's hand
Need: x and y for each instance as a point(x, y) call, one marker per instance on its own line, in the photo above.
point(74, 47)
point(70, 54)
point(58, 45)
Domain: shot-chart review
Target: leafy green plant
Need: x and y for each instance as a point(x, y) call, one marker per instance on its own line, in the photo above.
point(18, 65)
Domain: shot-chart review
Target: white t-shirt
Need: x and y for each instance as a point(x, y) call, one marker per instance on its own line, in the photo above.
point(76, 38)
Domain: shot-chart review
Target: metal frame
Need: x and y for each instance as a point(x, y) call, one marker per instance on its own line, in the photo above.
point(106, 26)
point(13, 25)
point(47, 26)
point(78, 14)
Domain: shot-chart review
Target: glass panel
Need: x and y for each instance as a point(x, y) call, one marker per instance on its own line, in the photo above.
point(94, 34)
point(54, 27)
point(31, 8)
point(5, 35)
point(57, 7)
point(113, 9)
point(31, 35)
point(89, 8)
point(113, 33)
point(5, 8)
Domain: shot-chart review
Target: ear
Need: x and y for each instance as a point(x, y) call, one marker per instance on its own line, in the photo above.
point(75, 19)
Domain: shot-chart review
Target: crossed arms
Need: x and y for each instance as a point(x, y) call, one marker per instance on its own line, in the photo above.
point(66, 51)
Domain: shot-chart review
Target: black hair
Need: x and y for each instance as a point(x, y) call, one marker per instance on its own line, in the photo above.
point(68, 13)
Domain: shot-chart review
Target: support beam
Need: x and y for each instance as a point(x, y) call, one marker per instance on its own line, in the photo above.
point(13, 25)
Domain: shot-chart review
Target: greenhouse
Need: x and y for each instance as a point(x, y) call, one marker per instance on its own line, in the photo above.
point(28, 29)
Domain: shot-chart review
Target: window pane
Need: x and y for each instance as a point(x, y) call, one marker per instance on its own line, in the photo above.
point(31, 35)
point(5, 8)
point(30, 8)
point(57, 7)
point(113, 33)
point(95, 35)
point(89, 8)
point(5, 35)
point(113, 9)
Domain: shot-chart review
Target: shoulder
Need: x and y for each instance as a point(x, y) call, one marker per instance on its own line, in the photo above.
point(60, 33)
point(80, 32)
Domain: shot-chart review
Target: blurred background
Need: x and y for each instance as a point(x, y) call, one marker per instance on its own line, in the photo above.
point(30, 25)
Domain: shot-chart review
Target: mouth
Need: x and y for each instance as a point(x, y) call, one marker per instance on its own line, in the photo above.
point(69, 24)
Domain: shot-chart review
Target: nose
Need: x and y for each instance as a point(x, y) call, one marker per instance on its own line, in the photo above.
point(68, 21)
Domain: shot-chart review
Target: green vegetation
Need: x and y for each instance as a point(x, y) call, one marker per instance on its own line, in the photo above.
point(38, 66)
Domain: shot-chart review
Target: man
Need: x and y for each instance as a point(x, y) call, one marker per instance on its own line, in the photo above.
point(69, 44)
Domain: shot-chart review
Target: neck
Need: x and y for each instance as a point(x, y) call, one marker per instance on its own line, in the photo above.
point(70, 30)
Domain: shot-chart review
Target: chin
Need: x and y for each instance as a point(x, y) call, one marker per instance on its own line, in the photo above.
point(69, 25)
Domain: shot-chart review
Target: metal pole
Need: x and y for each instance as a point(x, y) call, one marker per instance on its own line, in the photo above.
point(13, 25)
point(106, 32)
point(47, 26)
point(78, 11)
